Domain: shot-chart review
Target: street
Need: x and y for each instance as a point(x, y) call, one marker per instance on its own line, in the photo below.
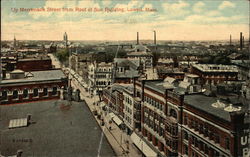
point(119, 140)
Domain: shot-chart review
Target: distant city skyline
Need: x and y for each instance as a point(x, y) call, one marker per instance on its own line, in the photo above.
point(173, 20)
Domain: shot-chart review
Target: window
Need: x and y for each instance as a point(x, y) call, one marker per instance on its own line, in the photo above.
point(35, 92)
point(25, 93)
point(173, 113)
point(185, 134)
point(4, 95)
point(185, 120)
point(217, 138)
point(45, 91)
point(15, 94)
point(227, 142)
point(186, 149)
point(54, 90)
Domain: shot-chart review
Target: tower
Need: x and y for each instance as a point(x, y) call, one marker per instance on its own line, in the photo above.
point(65, 39)
point(14, 42)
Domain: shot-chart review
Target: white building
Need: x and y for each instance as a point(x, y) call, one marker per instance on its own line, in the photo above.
point(128, 111)
point(99, 76)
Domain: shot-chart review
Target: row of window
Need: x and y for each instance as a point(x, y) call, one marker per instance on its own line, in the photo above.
point(102, 76)
point(204, 129)
point(153, 103)
point(26, 93)
point(128, 100)
point(201, 145)
point(153, 126)
point(128, 119)
point(128, 110)
point(102, 83)
point(153, 114)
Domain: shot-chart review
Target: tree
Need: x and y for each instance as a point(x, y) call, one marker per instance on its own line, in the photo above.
point(62, 55)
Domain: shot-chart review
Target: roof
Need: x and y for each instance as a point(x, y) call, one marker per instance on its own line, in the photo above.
point(58, 130)
point(204, 103)
point(156, 85)
point(47, 75)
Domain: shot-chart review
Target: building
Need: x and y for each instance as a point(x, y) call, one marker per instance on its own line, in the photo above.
point(214, 74)
point(164, 72)
point(53, 128)
point(243, 69)
point(143, 54)
point(113, 98)
point(23, 86)
point(174, 123)
point(34, 63)
point(128, 102)
point(126, 70)
point(99, 76)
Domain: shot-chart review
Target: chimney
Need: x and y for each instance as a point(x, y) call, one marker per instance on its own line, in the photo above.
point(230, 40)
point(137, 38)
point(243, 42)
point(155, 37)
point(240, 40)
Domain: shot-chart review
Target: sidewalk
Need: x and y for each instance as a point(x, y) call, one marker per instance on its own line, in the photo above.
point(116, 137)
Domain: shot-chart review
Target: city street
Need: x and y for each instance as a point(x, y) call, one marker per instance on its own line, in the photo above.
point(119, 140)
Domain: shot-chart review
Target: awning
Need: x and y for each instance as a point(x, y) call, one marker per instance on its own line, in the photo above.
point(117, 120)
point(102, 104)
point(143, 146)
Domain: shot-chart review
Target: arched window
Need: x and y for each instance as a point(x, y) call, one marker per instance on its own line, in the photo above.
point(25, 93)
point(45, 91)
point(15, 94)
point(4, 95)
point(173, 113)
point(54, 90)
point(35, 92)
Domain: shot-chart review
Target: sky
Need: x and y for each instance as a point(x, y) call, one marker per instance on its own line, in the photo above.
point(171, 19)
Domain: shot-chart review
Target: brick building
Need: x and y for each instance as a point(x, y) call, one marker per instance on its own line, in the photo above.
point(34, 63)
point(214, 74)
point(174, 124)
point(32, 86)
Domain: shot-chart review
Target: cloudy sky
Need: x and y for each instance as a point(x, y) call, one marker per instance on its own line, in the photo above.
point(173, 20)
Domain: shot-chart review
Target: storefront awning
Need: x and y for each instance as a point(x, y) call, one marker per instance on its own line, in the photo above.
point(117, 120)
point(147, 151)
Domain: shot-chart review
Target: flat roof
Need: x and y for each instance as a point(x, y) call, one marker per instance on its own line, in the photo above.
point(46, 75)
point(58, 130)
point(156, 85)
point(204, 103)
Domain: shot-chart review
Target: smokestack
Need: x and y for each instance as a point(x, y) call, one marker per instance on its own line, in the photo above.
point(240, 40)
point(243, 42)
point(230, 40)
point(137, 38)
point(155, 37)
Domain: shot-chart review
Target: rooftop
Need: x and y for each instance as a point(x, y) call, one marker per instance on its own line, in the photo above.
point(215, 68)
point(47, 75)
point(57, 130)
point(206, 104)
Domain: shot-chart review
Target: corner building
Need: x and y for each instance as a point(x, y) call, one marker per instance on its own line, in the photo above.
point(195, 125)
